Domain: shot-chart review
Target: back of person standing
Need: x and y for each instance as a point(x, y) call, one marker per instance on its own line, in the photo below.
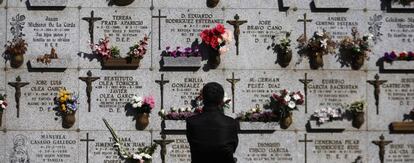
point(211, 134)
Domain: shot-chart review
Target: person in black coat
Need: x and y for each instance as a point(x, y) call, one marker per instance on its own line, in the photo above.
point(211, 134)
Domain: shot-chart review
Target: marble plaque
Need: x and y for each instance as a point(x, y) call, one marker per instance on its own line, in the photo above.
point(125, 27)
point(395, 100)
point(3, 38)
point(399, 150)
point(43, 30)
point(41, 146)
point(36, 101)
point(110, 97)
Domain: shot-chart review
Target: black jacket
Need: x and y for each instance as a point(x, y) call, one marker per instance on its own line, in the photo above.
point(212, 137)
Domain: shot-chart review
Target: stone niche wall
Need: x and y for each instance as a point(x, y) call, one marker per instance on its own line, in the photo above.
point(36, 134)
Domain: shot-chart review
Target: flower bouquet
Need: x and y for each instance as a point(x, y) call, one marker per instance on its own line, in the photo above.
point(3, 106)
point(66, 106)
point(257, 119)
point(217, 41)
point(283, 104)
point(283, 50)
point(315, 48)
point(404, 127)
point(354, 50)
point(50, 60)
point(111, 57)
point(395, 56)
point(357, 109)
point(144, 155)
point(187, 57)
point(15, 49)
point(143, 107)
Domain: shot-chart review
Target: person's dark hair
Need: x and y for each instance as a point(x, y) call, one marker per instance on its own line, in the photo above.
point(213, 94)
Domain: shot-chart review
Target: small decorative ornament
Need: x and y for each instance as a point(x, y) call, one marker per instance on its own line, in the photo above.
point(143, 108)
point(216, 41)
point(16, 49)
point(354, 50)
point(3, 106)
point(316, 47)
point(66, 106)
point(283, 104)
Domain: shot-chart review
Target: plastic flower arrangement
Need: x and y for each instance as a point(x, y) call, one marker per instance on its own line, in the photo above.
point(320, 44)
point(357, 107)
point(139, 49)
point(144, 155)
point(286, 102)
point(282, 49)
point(143, 105)
point(217, 38)
point(395, 56)
point(403, 2)
point(67, 103)
point(353, 50)
point(106, 51)
point(257, 115)
point(3, 103)
point(17, 46)
point(327, 114)
point(179, 52)
point(179, 114)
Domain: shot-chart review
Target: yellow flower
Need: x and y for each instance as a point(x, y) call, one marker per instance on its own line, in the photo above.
point(63, 107)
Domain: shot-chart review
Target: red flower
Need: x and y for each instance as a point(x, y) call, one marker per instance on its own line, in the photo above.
point(300, 102)
point(403, 55)
point(214, 42)
point(205, 36)
point(219, 29)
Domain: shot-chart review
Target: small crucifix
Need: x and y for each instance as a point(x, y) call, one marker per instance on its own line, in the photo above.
point(305, 82)
point(306, 141)
point(233, 82)
point(87, 146)
point(162, 82)
point(163, 144)
point(381, 144)
point(17, 86)
point(91, 20)
point(377, 89)
point(236, 23)
point(89, 80)
point(159, 27)
point(305, 20)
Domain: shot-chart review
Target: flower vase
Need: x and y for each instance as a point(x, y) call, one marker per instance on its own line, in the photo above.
point(122, 2)
point(357, 62)
point(286, 121)
point(212, 3)
point(141, 121)
point(284, 58)
point(16, 60)
point(316, 60)
point(214, 59)
point(68, 120)
point(358, 119)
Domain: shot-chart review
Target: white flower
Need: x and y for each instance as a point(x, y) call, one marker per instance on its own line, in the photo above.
point(162, 112)
point(324, 43)
point(147, 156)
point(1, 101)
point(135, 105)
point(136, 99)
point(291, 104)
point(182, 109)
point(173, 109)
point(253, 110)
point(319, 33)
point(223, 50)
point(139, 104)
point(287, 98)
point(3, 106)
point(136, 156)
point(296, 97)
point(369, 36)
point(188, 109)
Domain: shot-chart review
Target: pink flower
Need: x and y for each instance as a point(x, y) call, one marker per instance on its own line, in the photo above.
point(223, 50)
point(150, 101)
point(227, 36)
point(219, 29)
